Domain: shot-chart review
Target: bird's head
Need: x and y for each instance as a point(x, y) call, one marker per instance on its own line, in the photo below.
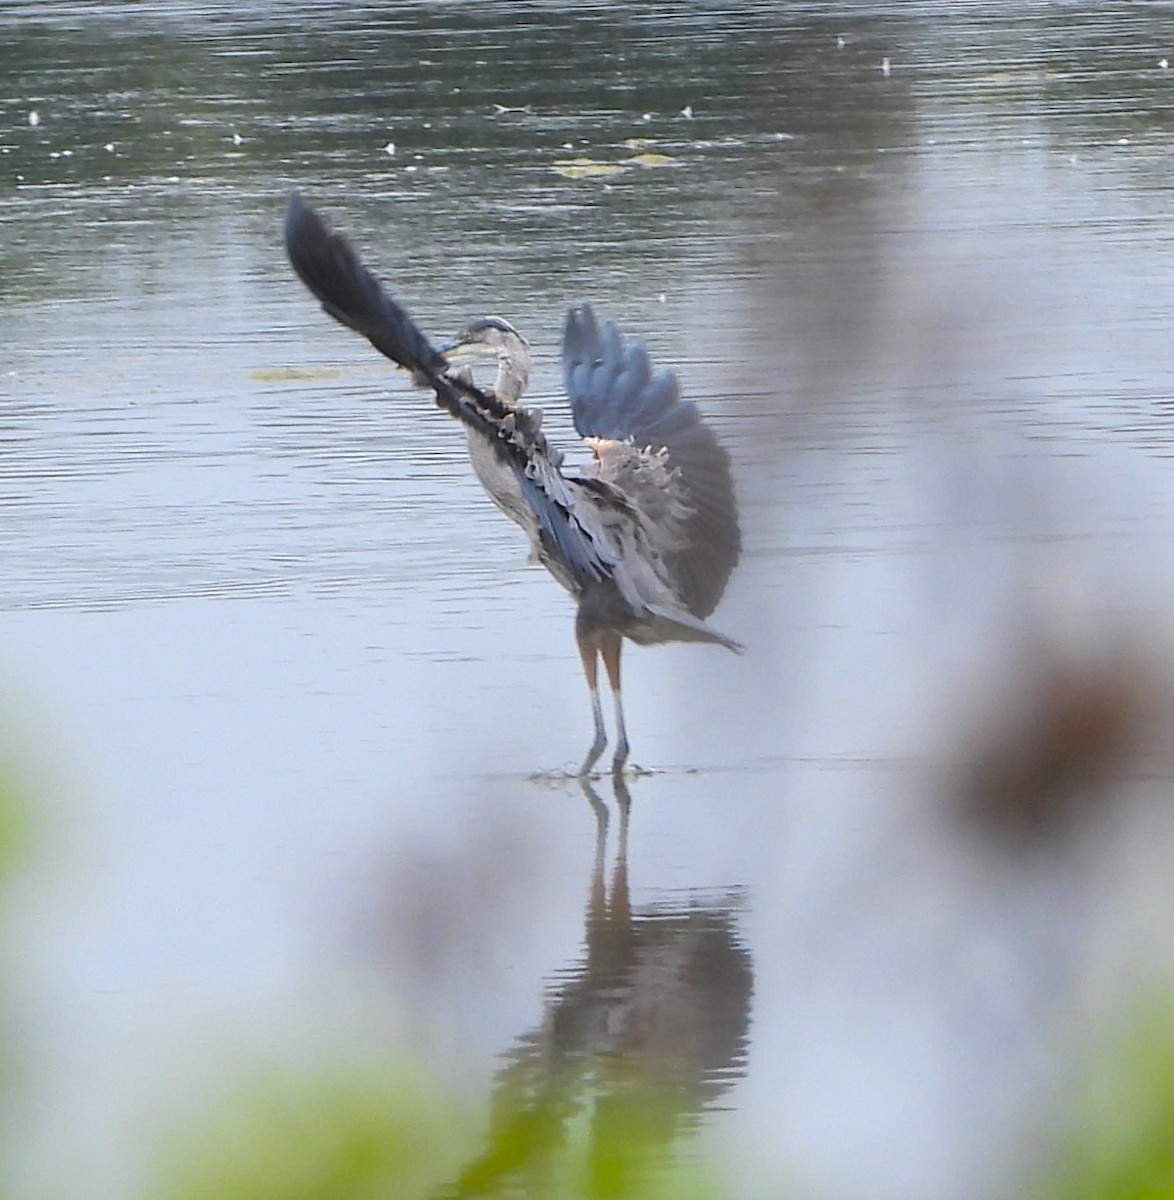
point(493, 337)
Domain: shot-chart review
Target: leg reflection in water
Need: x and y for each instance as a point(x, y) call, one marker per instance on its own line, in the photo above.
point(641, 1035)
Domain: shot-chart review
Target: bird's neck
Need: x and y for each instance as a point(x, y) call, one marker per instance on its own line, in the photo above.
point(509, 385)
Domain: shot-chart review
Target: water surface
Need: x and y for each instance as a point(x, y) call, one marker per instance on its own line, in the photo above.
point(288, 675)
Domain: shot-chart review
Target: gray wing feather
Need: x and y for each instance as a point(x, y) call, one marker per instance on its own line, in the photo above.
point(615, 395)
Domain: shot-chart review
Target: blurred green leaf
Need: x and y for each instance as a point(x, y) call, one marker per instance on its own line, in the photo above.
point(1122, 1143)
point(368, 1136)
point(14, 825)
point(334, 1136)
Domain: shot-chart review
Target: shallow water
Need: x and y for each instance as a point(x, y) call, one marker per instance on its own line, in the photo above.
point(287, 672)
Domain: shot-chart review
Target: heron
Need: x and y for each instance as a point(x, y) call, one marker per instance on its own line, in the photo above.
point(644, 537)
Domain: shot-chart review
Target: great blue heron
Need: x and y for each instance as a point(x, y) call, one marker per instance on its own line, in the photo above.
point(644, 539)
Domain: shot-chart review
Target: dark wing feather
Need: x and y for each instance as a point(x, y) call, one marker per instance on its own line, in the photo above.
point(349, 292)
point(616, 395)
point(327, 265)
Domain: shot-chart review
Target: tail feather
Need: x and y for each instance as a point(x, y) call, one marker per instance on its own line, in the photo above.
point(688, 628)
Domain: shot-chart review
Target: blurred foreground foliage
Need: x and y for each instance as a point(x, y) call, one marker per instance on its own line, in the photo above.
point(385, 1131)
point(1121, 1140)
point(334, 1135)
point(392, 1136)
point(363, 1135)
point(14, 824)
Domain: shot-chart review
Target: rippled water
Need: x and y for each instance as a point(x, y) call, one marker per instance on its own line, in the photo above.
point(278, 655)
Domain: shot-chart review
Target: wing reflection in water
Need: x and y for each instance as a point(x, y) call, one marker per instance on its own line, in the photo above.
point(641, 1036)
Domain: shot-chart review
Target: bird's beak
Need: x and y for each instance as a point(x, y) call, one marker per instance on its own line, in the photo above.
point(460, 353)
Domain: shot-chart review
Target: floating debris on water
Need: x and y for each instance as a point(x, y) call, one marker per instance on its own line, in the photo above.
point(687, 112)
point(586, 168)
point(34, 118)
point(651, 160)
point(291, 374)
point(886, 67)
point(389, 148)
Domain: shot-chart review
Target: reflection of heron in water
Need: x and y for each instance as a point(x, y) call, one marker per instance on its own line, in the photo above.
point(644, 539)
point(640, 1037)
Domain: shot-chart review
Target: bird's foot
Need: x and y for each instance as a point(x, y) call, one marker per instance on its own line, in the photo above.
point(621, 756)
point(592, 758)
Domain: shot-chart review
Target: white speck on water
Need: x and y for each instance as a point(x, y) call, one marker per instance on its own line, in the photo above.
point(687, 112)
point(662, 299)
point(109, 147)
point(886, 67)
point(841, 41)
point(236, 138)
point(646, 117)
point(389, 148)
point(1164, 63)
point(1123, 141)
point(34, 118)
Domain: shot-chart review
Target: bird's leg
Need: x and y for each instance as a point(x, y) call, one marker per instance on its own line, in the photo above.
point(589, 652)
point(610, 645)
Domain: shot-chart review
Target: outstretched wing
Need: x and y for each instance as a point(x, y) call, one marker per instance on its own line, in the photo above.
point(616, 397)
point(327, 265)
point(349, 292)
